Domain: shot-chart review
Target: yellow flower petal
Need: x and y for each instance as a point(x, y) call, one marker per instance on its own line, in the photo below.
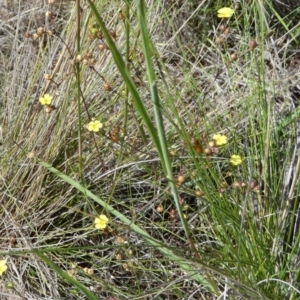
point(94, 126)
point(220, 139)
point(101, 222)
point(3, 266)
point(46, 100)
point(235, 160)
point(225, 12)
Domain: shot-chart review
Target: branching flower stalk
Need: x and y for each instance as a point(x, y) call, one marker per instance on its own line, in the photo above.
point(77, 72)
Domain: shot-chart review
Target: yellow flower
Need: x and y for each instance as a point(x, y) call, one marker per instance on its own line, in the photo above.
point(101, 222)
point(94, 126)
point(3, 266)
point(46, 100)
point(236, 160)
point(220, 139)
point(225, 12)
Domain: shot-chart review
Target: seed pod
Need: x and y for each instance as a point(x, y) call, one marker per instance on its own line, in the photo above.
point(219, 40)
point(40, 30)
point(49, 109)
point(172, 214)
point(119, 256)
point(120, 240)
point(121, 16)
point(253, 44)
point(107, 87)
point(160, 208)
point(113, 34)
point(222, 28)
point(233, 57)
point(215, 150)
point(212, 144)
point(35, 36)
point(47, 76)
point(102, 47)
point(253, 184)
point(180, 179)
point(89, 55)
point(141, 58)
point(236, 184)
point(99, 34)
point(199, 193)
point(115, 134)
point(227, 30)
point(208, 151)
point(49, 14)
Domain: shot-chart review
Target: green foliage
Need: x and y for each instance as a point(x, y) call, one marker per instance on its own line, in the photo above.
point(163, 78)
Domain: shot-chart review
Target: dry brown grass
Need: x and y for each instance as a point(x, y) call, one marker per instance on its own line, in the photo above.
point(40, 211)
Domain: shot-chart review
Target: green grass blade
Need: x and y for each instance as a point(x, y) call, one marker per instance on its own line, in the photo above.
point(167, 252)
point(64, 275)
point(137, 101)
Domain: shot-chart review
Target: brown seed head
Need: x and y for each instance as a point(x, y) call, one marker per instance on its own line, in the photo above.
point(236, 184)
point(89, 55)
point(40, 30)
point(222, 28)
point(102, 47)
point(215, 150)
point(160, 208)
point(121, 15)
point(113, 34)
point(253, 184)
point(47, 76)
point(107, 86)
point(233, 57)
point(219, 40)
point(180, 179)
point(199, 193)
point(79, 58)
point(141, 58)
point(222, 190)
point(227, 30)
point(99, 34)
point(253, 44)
point(119, 256)
point(212, 144)
point(208, 151)
point(172, 214)
point(49, 14)
point(120, 240)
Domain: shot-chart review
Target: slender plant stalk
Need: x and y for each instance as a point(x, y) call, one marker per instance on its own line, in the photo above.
point(165, 159)
point(78, 69)
point(127, 33)
point(64, 275)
